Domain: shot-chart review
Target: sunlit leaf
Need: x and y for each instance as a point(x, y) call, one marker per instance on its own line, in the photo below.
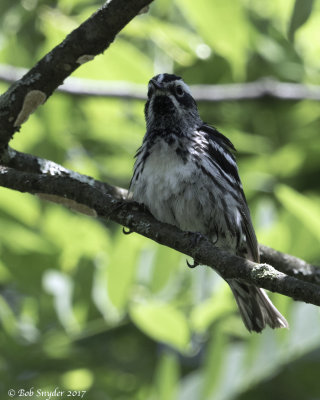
point(308, 47)
point(165, 266)
point(121, 269)
point(167, 376)
point(302, 207)
point(213, 366)
point(163, 323)
point(78, 379)
point(176, 41)
point(56, 344)
point(22, 207)
point(301, 12)
point(21, 240)
point(122, 61)
point(60, 287)
point(224, 26)
point(81, 236)
point(209, 311)
point(100, 293)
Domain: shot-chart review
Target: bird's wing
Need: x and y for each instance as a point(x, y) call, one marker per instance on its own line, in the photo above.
point(221, 151)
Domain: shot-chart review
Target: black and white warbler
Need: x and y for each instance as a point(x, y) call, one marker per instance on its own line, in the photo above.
point(186, 175)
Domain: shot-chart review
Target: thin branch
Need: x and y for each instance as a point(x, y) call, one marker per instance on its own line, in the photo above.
point(107, 203)
point(205, 93)
point(83, 87)
point(91, 38)
point(264, 87)
point(290, 265)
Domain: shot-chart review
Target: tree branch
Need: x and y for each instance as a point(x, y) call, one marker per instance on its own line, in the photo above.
point(285, 263)
point(290, 265)
point(31, 174)
point(204, 93)
point(38, 176)
point(91, 38)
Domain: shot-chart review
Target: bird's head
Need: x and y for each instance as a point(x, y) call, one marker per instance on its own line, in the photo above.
point(170, 103)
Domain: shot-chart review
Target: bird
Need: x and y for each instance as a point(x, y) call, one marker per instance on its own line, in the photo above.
point(185, 174)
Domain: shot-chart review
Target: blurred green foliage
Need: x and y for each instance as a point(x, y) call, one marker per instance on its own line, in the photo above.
point(83, 307)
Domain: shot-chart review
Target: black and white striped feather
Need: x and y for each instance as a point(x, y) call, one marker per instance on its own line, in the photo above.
point(186, 174)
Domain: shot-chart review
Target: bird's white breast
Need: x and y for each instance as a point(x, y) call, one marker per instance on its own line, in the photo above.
point(173, 190)
point(161, 175)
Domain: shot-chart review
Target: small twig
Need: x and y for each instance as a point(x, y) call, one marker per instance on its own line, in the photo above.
point(290, 265)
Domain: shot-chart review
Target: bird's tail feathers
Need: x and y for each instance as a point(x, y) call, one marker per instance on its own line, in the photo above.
point(255, 307)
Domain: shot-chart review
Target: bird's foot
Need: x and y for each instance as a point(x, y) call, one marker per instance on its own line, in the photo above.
point(195, 264)
point(126, 232)
point(196, 238)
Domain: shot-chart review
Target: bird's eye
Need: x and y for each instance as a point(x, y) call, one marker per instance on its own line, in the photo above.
point(179, 90)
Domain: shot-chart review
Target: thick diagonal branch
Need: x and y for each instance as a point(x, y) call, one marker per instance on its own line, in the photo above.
point(50, 179)
point(91, 38)
point(285, 263)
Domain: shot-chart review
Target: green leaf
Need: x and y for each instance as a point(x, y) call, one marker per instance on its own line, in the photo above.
point(7, 318)
point(214, 362)
point(21, 206)
point(302, 207)
point(179, 43)
point(121, 269)
point(301, 12)
point(123, 61)
point(207, 312)
point(22, 240)
point(5, 275)
point(224, 26)
point(165, 266)
point(100, 293)
point(309, 49)
point(60, 286)
point(167, 376)
point(81, 236)
point(163, 323)
point(78, 379)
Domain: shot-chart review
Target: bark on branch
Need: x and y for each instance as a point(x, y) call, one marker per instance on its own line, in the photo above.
point(91, 38)
point(30, 174)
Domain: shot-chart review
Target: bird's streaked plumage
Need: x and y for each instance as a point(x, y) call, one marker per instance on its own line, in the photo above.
point(186, 174)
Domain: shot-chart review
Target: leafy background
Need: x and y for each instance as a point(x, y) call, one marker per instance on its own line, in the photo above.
point(84, 307)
